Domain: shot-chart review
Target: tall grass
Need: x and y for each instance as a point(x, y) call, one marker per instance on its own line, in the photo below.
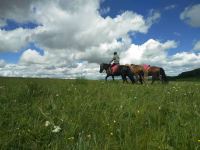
point(98, 115)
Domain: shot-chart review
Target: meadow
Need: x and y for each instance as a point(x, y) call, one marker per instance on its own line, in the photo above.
point(98, 115)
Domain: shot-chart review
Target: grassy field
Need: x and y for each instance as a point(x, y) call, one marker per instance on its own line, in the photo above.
point(83, 114)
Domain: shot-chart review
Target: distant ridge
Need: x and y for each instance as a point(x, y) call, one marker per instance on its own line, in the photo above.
point(190, 74)
point(187, 75)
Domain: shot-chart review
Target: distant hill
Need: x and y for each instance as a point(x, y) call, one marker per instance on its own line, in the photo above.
point(188, 74)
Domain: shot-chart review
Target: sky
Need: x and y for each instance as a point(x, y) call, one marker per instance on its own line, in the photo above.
point(71, 38)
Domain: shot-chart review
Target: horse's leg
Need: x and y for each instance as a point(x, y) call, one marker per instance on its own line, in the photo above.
point(106, 77)
point(113, 77)
point(124, 78)
point(153, 79)
point(160, 77)
point(131, 77)
point(136, 77)
point(140, 78)
point(143, 79)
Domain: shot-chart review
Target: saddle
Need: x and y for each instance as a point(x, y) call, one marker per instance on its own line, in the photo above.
point(114, 68)
point(146, 67)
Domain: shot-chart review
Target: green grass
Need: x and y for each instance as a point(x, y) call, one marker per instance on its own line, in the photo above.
point(98, 115)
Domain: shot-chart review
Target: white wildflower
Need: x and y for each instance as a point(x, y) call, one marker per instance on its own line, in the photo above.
point(71, 138)
point(47, 123)
point(89, 136)
point(56, 129)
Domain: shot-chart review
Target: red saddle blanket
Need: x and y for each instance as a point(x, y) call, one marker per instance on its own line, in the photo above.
point(146, 67)
point(114, 69)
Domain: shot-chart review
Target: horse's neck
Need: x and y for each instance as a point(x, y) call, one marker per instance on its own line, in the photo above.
point(106, 66)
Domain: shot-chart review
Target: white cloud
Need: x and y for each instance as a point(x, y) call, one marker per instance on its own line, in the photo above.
point(2, 22)
point(77, 32)
point(185, 60)
point(76, 38)
point(170, 7)
point(84, 69)
point(32, 57)
point(191, 15)
point(68, 24)
point(154, 16)
point(19, 10)
point(14, 40)
point(197, 46)
point(104, 11)
point(152, 52)
point(2, 63)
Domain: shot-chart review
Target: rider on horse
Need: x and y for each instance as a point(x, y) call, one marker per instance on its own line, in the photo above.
point(115, 65)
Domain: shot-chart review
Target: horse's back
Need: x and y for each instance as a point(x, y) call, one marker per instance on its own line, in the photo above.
point(154, 69)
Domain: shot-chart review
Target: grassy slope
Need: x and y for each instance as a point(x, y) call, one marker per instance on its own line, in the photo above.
point(98, 115)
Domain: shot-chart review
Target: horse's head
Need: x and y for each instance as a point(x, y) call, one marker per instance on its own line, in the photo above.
point(103, 67)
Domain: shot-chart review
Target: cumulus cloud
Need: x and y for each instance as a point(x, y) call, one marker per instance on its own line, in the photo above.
point(19, 10)
point(2, 63)
point(170, 7)
point(197, 46)
point(14, 40)
point(152, 52)
point(104, 11)
point(69, 24)
point(183, 61)
point(2, 22)
point(76, 38)
point(32, 57)
point(69, 33)
point(84, 69)
point(191, 15)
point(153, 17)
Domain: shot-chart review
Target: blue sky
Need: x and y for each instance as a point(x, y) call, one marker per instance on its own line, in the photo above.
point(69, 35)
point(169, 26)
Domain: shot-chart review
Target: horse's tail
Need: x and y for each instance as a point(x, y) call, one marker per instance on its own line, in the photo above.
point(163, 75)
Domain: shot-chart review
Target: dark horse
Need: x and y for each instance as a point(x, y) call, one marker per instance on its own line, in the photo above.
point(154, 71)
point(123, 71)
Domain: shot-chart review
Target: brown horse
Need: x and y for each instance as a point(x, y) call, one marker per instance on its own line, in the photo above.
point(157, 73)
point(154, 71)
point(138, 71)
